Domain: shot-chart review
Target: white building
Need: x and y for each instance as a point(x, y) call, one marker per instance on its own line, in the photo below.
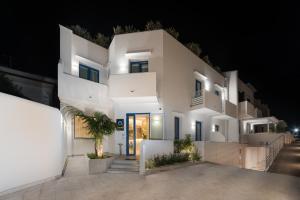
point(152, 83)
point(254, 116)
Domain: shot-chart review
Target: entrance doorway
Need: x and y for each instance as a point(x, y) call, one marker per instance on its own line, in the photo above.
point(138, 129)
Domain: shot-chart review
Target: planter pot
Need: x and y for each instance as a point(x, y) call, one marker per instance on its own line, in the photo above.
point(97, 166)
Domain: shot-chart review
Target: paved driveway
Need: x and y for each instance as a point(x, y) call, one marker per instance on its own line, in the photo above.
point(288, 160)
point(203, 181)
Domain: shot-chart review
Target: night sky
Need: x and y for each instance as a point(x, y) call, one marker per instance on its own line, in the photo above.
point(261, 41)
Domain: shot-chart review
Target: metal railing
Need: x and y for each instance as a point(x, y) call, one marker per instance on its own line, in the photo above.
point(272, 151)
point(197, 99)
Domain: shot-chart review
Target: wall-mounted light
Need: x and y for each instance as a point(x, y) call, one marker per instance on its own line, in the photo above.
point(207, 85)
point(193, 126)
point(123, 66)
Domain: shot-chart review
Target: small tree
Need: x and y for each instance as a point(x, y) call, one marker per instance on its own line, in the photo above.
point(80, 31)
point(102, 40)
point(98, 125)
point(130, 29)
point(172, 31)
point(151, 25)
point(194, 47)
point(118, 30)
point(281, 127)
point(206, 59)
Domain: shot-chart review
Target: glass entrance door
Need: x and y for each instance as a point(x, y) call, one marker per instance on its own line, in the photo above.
point(138, 129)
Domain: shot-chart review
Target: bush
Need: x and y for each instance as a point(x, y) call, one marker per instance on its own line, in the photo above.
point(183, 145)
point(161, 160)
point(194, 156)
point(94, 156)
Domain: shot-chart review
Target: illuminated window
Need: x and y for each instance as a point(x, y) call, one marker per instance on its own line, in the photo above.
point(80, 130)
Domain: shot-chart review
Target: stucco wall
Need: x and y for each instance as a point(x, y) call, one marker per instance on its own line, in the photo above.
point(32, 144)
point(224, 153)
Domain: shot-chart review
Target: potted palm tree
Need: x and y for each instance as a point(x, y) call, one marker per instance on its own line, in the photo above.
point(98, 125)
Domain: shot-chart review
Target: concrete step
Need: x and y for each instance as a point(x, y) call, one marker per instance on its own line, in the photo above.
point(120, 166)
point(119, 171)
point(125, 162)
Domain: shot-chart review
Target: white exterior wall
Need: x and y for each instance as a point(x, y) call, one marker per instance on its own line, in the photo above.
point(170, 94)
point(32, 143)
point(80, 93)
point(178, 89)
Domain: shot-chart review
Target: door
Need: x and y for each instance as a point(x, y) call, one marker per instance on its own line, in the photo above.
point(198, 131)
point(138, 129)
point(176, 128)
point(198, 88)
point(131, 136)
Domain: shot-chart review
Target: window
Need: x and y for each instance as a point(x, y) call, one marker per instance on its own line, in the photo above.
point(198, 88)
point(216, 128)
point(80, 130)
point(217, 92)
point(138, 66)
point(88, 73)
point(176, 128)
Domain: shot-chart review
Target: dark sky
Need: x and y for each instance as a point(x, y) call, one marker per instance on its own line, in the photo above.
point(260, 40)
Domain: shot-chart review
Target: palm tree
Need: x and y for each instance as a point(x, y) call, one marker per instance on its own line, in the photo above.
point(99, 125)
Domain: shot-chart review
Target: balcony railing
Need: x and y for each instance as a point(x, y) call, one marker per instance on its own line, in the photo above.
point(198, 98)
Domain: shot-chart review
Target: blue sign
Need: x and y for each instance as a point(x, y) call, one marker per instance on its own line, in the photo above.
point(120, 124)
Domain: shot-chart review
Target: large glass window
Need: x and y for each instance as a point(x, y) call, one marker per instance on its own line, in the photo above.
point(138, 66)
point(80, 130)
point(88, 73)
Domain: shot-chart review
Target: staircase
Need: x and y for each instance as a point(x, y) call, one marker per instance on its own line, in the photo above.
point(124, 166)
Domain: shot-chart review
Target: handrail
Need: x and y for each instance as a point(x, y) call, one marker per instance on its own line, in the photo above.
point(272, 151)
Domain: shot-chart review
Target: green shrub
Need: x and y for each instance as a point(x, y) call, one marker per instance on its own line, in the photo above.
point(183, 145)
point(161, 160)
point(194, 156)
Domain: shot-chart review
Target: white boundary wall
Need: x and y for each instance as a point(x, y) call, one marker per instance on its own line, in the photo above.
point(31, 145)
point(149, 148)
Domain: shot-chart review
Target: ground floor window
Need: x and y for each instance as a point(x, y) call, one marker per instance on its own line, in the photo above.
point(80, 130)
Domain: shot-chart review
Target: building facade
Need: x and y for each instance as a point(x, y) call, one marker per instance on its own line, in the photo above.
point(151, 85)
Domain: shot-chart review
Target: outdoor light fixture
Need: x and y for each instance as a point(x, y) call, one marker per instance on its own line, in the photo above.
point(296, 130)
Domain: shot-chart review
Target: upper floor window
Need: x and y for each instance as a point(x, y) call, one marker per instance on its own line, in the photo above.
point(217, 92)
point(88, 73)
point(138, 66)
point(198, 88)
point(215, 128)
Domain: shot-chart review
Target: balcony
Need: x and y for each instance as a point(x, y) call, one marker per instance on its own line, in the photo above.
point(230, 109)
point(133, 87)
point(206, 102)
point(247, 110)
point(74, 90)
